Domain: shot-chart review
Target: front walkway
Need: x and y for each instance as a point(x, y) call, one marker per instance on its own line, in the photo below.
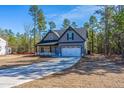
point(14, 76)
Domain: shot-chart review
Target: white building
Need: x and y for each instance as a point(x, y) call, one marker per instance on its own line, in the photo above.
point(4, 49)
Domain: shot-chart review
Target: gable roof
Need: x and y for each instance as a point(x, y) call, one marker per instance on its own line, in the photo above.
point(78, 31)
point(57, 34)
point(60, 33)
point(50, 32)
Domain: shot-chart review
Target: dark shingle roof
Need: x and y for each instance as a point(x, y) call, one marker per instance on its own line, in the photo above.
point(81, 31)
point(60, 32)
point(47, 41)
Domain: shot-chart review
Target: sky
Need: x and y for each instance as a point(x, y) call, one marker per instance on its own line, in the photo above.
point(14, 17)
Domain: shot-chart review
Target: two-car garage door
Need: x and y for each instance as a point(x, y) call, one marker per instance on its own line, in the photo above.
point(71, 51)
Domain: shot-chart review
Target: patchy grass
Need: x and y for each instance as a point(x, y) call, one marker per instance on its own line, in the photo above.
point(94, 71)
point(20, 60)
point(75, 80)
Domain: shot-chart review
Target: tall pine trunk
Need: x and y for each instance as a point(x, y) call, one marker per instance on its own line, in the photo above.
point(92, 42)
point(106, 32)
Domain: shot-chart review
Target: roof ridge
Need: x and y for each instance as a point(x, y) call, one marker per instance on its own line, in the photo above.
point(56, 33)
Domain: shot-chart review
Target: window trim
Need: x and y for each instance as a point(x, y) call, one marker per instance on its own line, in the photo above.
point(70, 36)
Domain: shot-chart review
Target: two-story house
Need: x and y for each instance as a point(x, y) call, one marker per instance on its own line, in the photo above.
point(68, 42)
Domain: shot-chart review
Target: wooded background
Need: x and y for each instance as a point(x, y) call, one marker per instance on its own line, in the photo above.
point(105, 35)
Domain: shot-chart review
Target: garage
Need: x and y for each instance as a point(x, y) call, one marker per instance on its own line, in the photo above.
point(71, 51)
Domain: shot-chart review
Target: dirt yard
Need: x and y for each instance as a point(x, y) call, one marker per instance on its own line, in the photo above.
point(91, 72)
point(19, 60)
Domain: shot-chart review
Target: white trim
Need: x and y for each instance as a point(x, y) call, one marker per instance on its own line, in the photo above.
point(56, 34)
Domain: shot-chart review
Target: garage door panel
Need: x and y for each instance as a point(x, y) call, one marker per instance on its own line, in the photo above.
point(71, 51)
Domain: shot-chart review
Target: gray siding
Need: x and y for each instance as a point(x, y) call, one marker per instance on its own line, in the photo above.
point(84, 34)
point(63, 42)
point(51, 35)
point(77, 38)
point(77, 42)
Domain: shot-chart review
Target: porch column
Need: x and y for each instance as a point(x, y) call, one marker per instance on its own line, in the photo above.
point(36, 49)
point(50, 49)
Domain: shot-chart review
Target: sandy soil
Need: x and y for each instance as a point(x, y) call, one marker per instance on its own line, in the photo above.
point(75, 80)
point(19, 60)
point(91, 72)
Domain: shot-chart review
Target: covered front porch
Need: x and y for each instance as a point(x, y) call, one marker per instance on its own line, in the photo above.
point(47, 49)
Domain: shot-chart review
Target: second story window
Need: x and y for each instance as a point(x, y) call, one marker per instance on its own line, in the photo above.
point(70, 36)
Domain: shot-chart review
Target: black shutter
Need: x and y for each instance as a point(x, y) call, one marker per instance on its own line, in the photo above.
point(67, 36)
point(72, 36)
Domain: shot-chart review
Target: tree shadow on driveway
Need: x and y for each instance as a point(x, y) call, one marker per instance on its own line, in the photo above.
point(37, 70)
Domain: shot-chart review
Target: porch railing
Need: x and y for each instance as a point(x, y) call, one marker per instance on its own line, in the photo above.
point(45, 54)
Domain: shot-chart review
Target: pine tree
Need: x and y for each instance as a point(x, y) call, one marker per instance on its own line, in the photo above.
point(52, 25)
point(66, 23)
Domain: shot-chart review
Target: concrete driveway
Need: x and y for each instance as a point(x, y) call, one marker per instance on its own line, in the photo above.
point(14, 76)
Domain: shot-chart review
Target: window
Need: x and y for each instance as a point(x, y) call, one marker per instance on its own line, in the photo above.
point(42, 49)
point(70, 36)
